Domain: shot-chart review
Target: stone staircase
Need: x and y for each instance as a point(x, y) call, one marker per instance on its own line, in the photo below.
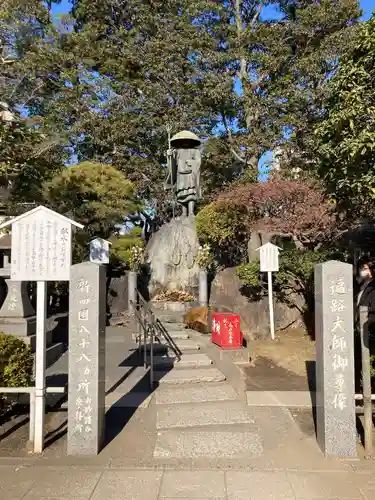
point(53, 351)
point(198, 413)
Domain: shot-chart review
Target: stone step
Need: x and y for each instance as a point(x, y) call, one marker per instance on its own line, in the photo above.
point(180, 334)
point(31, 339)
point(176, 318)
point(183, 335)
point(189, 376)
point(53, 353)
point(175, 326)
point(201, 393)
point(190, 444)
point(187, 345)
point(182, 345)
point(186, 361)
point(198, 415)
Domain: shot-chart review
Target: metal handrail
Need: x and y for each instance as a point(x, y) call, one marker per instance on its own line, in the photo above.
point(159, 327)
point(150, 328)
point(145, 323)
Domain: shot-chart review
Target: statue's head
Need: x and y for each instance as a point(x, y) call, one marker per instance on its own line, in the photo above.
point(185, 140)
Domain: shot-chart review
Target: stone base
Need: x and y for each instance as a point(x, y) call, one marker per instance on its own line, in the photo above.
point(236, 355)
point(22, 327)
point(116, 320)
point(173, 306)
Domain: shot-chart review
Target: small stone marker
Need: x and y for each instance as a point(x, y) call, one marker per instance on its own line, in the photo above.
point(335, 405)
point(87, 320)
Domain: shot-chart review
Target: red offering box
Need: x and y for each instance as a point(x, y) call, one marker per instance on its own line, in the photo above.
point(226, 330)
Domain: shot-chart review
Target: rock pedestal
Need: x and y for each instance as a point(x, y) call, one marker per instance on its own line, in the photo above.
point(171, 255)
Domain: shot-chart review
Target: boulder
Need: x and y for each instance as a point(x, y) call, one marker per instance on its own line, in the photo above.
point(226, 296)
point(171, 254)
point(198, 319)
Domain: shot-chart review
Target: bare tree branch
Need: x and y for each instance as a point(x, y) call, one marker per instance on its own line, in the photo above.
point(230, 138)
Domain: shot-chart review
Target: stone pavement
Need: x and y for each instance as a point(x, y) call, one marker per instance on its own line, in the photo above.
point(194, 437)
point(89, 483)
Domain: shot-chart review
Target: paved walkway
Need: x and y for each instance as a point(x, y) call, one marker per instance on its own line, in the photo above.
point(72, 483)
point(195, 437)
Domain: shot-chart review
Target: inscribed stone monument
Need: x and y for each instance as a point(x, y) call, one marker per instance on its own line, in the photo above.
point(87, 320)
point(335, 405)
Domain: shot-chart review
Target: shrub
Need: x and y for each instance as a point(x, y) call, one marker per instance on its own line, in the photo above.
point(16, 366)
point(222, 226)
point(204, 257)
point(294, 208)
point(123, 254)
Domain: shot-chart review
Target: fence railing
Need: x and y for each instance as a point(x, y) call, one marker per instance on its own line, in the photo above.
point(31, 391)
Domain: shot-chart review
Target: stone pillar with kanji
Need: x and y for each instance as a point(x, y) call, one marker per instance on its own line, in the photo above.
point(334, 336)
point(86, 396)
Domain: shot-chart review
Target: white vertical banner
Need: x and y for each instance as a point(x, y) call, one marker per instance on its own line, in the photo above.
point(269, 263)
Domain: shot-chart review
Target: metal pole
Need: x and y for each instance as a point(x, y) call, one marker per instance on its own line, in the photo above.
point(270, 303)
point(366, 378)
point(32, 418)
point(170, 168)
point(145, 331)
point(40, 361)
point(152, 358)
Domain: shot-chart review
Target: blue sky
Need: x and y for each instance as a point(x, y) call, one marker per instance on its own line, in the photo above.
point(368, 6)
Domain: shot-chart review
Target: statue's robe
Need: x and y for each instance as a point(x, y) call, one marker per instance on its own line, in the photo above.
point(185, 175)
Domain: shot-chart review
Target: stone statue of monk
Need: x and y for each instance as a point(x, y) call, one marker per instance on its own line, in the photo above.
point(184, 163)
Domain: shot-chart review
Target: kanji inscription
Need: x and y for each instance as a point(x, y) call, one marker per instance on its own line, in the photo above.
point(336, 430)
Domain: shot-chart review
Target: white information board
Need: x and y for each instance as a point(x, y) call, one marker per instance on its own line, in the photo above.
point(99, 251)
point(41, 251)
point(41, 246)
point(269, 258)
